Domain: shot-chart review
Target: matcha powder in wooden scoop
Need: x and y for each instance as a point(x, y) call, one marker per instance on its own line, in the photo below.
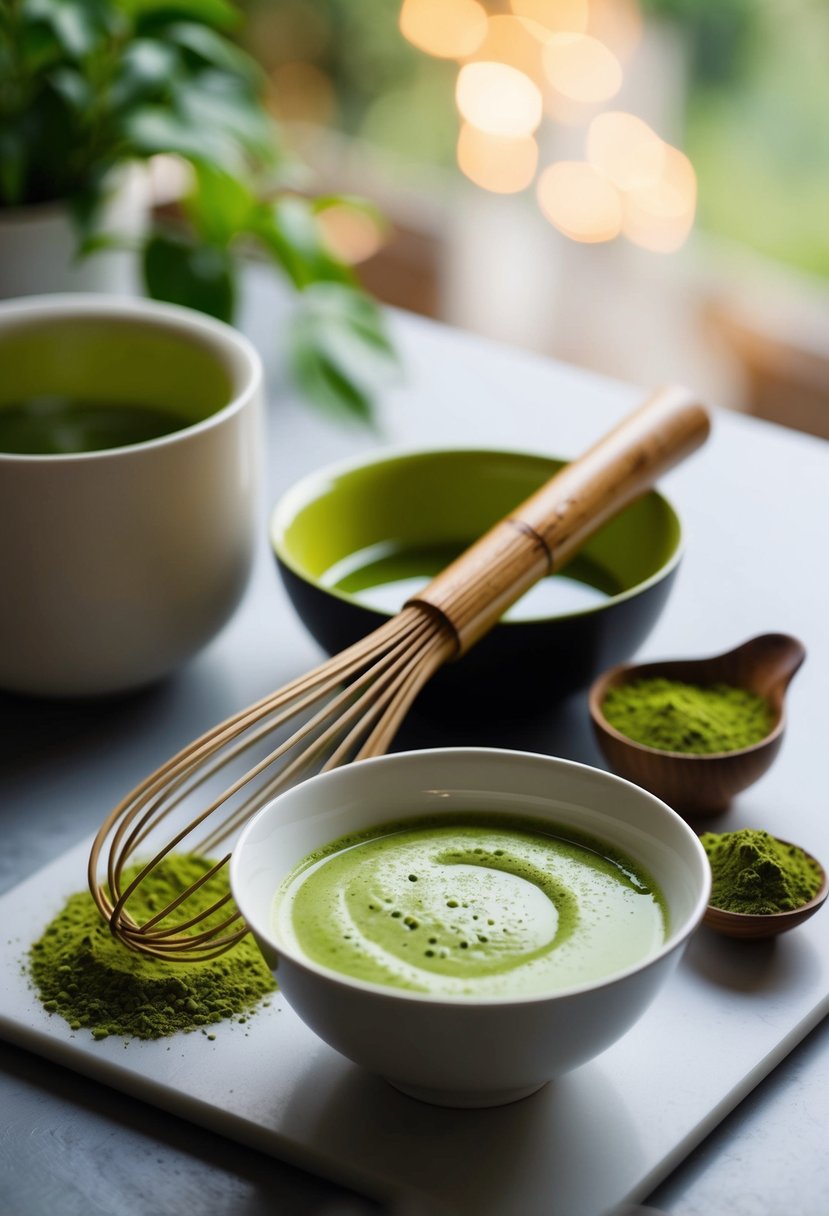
point(677, 717)
point(90, 979)
point(754, 872)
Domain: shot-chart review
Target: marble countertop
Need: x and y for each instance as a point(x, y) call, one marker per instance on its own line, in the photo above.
point(754, 505)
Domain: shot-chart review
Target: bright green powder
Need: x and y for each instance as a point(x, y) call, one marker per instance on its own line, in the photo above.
point(677, 717)
point(90, 979)
point(755, 872)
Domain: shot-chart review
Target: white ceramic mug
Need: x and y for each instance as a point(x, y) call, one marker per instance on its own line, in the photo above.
point(118, 564)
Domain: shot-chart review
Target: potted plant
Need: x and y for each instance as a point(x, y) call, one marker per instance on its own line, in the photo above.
point(91, 88)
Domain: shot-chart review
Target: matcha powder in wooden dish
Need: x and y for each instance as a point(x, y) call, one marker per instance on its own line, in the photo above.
point(676, 717)
point(90, 979)
point(754, 872)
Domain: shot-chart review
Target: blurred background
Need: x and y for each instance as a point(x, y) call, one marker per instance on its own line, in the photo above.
point(640, 187)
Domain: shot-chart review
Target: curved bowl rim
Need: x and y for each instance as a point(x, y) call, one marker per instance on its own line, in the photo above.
point(676, 939)
point(71, 305)
point(299, 495)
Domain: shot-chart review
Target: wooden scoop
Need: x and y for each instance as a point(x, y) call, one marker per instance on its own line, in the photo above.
point(703, 784)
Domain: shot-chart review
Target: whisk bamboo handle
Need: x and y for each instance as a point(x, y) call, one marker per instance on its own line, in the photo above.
point(539, 536)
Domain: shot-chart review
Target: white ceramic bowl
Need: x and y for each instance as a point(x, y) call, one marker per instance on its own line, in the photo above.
point(119, 564)
point(459, 1051)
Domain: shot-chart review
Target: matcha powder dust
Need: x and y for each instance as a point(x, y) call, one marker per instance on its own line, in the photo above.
point(677, 717)
point(755, 872)
point(85, 975)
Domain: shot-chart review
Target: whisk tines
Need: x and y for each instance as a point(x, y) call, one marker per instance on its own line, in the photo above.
point(349, 708)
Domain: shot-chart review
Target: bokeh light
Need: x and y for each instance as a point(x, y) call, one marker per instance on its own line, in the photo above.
point(625, 149)
point(447, 29)
point(564, 111)
point(497, 163)
point(580, 202)
point(498, 99)
point(350, 233)
point(581, 67)
point(549, 16)
point(660, 216)
point(524, 60)
point(616, 23)
point(510, 40)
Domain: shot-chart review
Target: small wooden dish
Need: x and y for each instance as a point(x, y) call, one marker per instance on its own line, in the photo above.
point(751, 925)
point(702, 784)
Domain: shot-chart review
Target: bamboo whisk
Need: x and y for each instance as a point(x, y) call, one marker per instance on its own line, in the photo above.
point(350, 707)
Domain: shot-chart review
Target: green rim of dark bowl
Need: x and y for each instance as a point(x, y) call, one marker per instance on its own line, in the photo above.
point(310, 537)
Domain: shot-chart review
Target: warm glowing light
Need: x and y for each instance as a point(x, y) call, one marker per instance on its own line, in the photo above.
point(661, 215)
point(564, 110)
point(549, 16)
point(581, 67)
point(616, 23)
point(562, 59)
point(350, 234)
point(498, 99)
point(447, 29)
point(511, 40)
point(496, 163)
point(580, 202)
point(625, 149)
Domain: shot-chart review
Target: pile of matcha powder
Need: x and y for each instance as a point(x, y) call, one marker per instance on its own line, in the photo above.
point(83, 974)
point(673, 716)
point(752, 871)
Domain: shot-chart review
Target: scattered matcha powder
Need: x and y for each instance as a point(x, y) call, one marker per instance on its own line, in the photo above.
point(752, 871)
point(90, 979)
point(677, 717)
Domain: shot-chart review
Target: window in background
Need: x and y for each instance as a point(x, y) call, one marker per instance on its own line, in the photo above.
point(543, 164)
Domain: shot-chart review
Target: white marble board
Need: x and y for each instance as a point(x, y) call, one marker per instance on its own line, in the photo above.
point(604, 1134)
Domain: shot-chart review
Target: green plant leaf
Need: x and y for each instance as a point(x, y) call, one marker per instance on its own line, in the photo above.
point(197, 276)
point(38, 47)
point(288, 229)
point(214, 100)
point(101, 242)
point(12, 166)
point(72, 86)
point(220, 206)
point(323, 384)
point(211, 47)
point(154, 129)
point(88, 85)
point(56, 164)
point(145, 69)
point(220, 13)
point(78, 25)
point(340, 351)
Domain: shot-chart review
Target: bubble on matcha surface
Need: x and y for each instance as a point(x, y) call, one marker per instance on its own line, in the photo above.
point(504, 904)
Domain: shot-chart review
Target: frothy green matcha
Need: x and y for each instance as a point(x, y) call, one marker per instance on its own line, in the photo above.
point(478, 905)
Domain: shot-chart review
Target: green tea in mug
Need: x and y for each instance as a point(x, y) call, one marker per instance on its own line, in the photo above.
point(57, 425)
point(93, 384)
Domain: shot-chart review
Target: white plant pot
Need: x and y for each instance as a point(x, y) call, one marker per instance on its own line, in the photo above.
point(38, 245)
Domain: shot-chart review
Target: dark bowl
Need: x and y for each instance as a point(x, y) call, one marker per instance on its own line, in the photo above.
point(352, 541)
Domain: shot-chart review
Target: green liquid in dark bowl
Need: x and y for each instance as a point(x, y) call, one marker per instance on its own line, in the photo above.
point(58, 425)
point(385, 577)
point(374, 536)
